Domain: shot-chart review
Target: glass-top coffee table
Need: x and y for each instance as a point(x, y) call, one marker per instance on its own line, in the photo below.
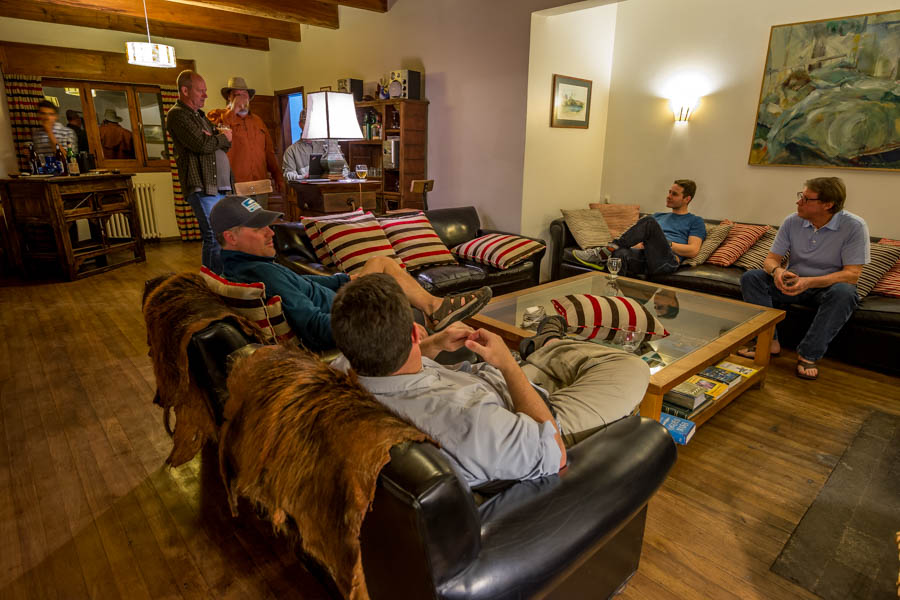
point(704, 330)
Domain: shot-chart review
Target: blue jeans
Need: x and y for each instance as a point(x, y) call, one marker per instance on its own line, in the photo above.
point(211, 252)
point(836, 304)
point(656, 258)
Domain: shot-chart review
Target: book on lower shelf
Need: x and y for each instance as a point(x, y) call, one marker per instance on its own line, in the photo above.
point(714, 389)
point(684, 413)
point(686, 394)
point(681, 430)
point(730, 366)
point(729, 378)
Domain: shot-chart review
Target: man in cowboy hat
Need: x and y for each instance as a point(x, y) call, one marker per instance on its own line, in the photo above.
point(252, 153)
point(115, 139)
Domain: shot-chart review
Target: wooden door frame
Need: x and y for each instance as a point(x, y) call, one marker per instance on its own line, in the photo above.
point(281, 100)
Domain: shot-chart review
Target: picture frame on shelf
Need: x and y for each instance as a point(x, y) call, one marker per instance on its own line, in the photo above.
point(570, 104)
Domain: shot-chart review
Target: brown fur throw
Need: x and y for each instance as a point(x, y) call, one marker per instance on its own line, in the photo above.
point(174, 309)
point(306, 443)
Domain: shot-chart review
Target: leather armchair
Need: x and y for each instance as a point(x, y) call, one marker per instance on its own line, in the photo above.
point(575, 534)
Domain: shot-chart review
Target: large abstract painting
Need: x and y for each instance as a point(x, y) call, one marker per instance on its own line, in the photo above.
point(831, 94)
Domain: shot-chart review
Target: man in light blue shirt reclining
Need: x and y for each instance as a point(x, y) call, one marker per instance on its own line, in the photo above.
point(828, 247)
point(490, 418)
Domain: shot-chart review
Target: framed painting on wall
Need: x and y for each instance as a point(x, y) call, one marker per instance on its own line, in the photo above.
point(571, 104)
point(830, 95)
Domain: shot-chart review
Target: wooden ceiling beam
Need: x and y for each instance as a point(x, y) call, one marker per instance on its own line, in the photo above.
point(65, 15)
point(196, 16)
point(374, 5)
point(310, 12)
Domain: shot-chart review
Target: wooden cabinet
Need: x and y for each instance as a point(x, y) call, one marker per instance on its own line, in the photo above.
point(81, 225)
point(316, 198)
point(406, 122)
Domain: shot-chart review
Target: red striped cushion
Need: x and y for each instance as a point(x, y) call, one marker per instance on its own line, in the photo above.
point(889, 284)
point(415, 241)
point(352, 242)
point(600, 317)
point(248, 300)
point(311, 225)
point(498, 250)
point(740, 238)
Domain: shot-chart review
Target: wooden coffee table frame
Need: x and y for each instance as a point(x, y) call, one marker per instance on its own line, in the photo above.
point(724, 347)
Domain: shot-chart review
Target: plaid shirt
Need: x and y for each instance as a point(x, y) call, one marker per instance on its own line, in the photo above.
point(196, 141)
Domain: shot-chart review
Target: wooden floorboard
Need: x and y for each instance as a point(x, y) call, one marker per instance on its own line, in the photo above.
point(88, 509)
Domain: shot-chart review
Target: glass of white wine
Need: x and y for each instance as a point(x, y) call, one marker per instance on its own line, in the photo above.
point(362, 171)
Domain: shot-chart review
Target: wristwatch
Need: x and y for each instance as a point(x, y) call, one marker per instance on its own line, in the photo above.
point(772, 272)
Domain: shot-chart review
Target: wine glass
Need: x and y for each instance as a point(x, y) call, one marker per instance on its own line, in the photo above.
point(613, 265)
point(632, 338)
point(362, 171)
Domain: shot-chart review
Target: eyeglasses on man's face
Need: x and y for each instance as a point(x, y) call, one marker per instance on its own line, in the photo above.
point(801, 197)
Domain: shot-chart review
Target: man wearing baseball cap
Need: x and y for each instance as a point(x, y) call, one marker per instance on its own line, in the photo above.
point(241, 226)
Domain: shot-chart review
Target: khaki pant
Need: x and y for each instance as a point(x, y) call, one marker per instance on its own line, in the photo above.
point(590, 385)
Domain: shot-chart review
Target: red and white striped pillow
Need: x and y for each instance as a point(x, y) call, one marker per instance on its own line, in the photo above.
point(311, 225)
point(415, 241)
point(352, 242)
point(249, 300)
point(498, 249)
point(741, 238)
point(889, 284)
point(600, 317)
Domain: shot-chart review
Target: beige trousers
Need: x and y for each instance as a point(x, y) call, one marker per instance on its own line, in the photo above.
point(590, 385)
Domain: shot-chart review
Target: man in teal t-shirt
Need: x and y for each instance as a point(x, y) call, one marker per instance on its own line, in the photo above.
point(656, 244)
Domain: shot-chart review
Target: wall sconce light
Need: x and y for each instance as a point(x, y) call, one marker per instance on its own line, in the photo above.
point(683, 108)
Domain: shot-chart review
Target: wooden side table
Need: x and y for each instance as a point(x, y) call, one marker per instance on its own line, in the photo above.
point(322, 197)
point(42, 215)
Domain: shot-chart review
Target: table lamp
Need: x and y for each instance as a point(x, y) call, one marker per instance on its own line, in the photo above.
point(331, 116)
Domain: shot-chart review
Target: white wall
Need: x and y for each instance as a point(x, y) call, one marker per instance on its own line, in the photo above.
point(726, 43)
point(562, 166)
point(474, 58)
point(215, 63)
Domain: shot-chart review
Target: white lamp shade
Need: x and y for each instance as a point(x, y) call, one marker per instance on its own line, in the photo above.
point(147, 54)
point(331, 116)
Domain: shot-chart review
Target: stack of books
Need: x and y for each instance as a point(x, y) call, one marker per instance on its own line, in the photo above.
point(688, 399)
point(685, 400)
point(681, 430)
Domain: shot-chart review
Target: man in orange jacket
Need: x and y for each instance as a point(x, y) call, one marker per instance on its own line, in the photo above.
point(252, 153)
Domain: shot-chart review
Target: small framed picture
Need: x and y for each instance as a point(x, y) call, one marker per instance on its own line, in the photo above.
point(571, 104)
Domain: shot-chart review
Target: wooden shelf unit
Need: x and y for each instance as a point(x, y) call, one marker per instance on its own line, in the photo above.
point(394, 191)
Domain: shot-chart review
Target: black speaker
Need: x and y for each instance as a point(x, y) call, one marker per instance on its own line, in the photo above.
point(354, 86)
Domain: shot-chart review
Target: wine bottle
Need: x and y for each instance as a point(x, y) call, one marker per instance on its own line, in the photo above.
point(61, 159)
point(72, 159)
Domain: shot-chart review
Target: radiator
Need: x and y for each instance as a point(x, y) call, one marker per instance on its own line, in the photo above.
point(117, 226)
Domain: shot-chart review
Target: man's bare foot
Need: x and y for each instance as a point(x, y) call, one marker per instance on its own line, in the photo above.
point(750, 351)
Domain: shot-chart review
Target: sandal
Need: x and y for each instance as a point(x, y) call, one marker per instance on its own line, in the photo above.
point(805, 365)
point(750, 352)
point(548, 329)
point(458, 307)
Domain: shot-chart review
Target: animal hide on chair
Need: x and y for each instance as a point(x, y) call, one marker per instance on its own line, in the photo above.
point(175, 308)
point(306, 443)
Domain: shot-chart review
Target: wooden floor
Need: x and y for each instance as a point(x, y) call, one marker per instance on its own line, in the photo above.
point(87, 509)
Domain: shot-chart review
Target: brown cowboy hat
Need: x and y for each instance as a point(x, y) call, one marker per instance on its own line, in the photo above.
point(237, 83)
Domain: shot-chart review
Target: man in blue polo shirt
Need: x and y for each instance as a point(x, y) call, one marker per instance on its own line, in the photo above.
point(828, 247)
point(656, 244)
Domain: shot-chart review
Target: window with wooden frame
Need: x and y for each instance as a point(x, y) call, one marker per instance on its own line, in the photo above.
point(122, 124)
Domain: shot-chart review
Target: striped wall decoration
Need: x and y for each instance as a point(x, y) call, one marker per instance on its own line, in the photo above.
point(249, 300)
point(188, 228)
point(498, 250)
point(599, 317)
point(352, 242)
point(415, 241)
point(23, 92)
point(889, 285)
point(740, 238)
point(883, 258)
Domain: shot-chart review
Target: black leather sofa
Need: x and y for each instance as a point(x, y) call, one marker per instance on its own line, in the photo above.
point(869, 339)
point(454, 226)
point(574, 535)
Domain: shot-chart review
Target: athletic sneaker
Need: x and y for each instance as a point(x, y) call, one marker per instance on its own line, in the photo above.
point(595, 257)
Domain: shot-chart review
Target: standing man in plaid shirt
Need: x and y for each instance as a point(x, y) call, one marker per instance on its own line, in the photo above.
point(203, 167)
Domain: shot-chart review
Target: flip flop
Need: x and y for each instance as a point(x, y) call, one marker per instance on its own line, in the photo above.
point(549, 328)
point(453, 308)
point(803, 363)
point(750, 352)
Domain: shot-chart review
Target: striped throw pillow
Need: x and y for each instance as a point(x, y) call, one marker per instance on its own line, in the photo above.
point(889, 285)
point(755, 257)
point(311, 224)
point(498, 250)
point(588, 227)
point(715, 235)
point(740, 239)
point(352, 242)
point(884, 257)
point(600, 317)
point(249, 300)
point(415, 241)
point(619, 217)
